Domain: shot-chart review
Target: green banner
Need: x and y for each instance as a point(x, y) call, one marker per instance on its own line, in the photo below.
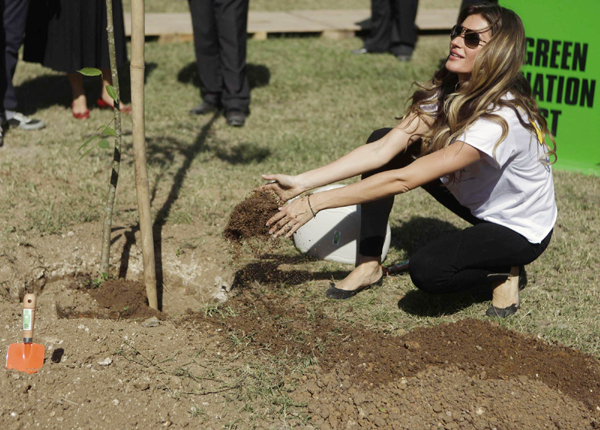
point(563, 68)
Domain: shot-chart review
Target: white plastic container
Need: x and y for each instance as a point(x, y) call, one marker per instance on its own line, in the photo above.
point(334, 233)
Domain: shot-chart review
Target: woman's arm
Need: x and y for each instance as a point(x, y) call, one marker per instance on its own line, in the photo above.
point(362, 159)
point(422, 171)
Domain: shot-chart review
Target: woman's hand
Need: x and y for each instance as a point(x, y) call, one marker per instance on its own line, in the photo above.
point(284, 186)
point(290, 218)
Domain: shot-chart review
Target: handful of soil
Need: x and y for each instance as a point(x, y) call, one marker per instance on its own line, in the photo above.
point(249, 217)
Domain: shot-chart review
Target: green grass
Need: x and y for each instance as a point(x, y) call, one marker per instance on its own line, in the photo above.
point(311, 103)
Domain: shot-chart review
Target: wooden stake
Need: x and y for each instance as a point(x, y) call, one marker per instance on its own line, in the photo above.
point(139, 148)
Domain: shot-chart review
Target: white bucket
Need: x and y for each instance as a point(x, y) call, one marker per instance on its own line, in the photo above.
point(334, 233)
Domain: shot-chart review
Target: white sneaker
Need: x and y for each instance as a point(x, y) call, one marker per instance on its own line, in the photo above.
point(26, 123)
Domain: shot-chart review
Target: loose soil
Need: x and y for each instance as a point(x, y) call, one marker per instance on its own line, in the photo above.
point(238, 351)
point(249, 217)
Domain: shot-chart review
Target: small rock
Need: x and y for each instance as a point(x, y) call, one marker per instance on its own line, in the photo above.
point(115, 402)
point(151, 322)
point(412, 345)
point(140, 385)
point(106, 362)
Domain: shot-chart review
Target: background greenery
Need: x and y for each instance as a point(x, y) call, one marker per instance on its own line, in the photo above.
point(311, 102)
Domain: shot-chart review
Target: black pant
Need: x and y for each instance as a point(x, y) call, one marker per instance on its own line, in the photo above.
point(466, 3)
point(392, 25)
point(455, 262)
point(14, 18)
point(3, 78)
point(220, 28)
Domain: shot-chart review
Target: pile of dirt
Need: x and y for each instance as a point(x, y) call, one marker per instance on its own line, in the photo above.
point(249, 217)
point(288, 327)
point(113, 299)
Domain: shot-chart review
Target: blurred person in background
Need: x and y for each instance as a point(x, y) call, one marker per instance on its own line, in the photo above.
point(69, 35)
point(14, 19)
point(392, 29)
point(220, 37)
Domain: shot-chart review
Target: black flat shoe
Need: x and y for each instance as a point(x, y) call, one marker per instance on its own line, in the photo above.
point(496, 312)
point(493, 311)
point(337, 294)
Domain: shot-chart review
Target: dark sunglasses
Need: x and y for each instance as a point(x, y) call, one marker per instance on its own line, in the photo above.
point(472, 38)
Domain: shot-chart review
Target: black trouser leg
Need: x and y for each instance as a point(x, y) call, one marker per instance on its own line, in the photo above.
point(232, 24)
point(380, 34)
point(14, 17)
point(3, 77)
point(475, 256)
point(404, 15)
point(220, 28)
point(208, 51)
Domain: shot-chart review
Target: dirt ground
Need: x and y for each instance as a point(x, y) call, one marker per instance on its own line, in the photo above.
point(232, 350)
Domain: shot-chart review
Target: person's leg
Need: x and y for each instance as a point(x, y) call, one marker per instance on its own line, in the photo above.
point(476, 256)
point(3, 78)
point(106, 100)
point(232, 24)
point(404, 37)
point(466, 3)
point(14, 17)
point(379, 38)
point(208, 52)
point(79, 104)
point(373, 225)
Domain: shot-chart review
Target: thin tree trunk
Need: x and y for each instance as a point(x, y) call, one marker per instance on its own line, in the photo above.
point(114, 176)
point(139, 148)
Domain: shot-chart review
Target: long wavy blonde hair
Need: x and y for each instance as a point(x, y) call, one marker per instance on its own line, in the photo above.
point(496, 71)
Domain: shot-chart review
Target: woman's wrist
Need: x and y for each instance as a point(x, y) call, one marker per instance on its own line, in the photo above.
point(302, 183)
point(312, 211)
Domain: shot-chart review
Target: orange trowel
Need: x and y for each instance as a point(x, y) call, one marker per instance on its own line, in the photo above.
point(27, 356)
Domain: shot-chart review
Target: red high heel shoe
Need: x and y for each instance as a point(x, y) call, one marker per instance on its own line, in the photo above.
point(80, 115)
point(103, 105)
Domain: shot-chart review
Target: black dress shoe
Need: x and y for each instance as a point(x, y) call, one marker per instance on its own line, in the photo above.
point(204, 108)
point(404, 53)
point(337, 294)
point(235, 118)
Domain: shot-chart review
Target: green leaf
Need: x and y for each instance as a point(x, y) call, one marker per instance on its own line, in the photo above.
point(91, 139)
point(104, 144)
point(90, 71)
point(112, 92)
point(108, 131)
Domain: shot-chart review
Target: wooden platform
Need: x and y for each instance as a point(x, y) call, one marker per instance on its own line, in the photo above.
point(328, 23)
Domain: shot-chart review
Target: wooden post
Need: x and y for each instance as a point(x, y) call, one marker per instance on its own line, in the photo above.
point(139, 148)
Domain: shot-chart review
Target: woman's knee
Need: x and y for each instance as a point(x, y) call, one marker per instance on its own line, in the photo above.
point(425, 273)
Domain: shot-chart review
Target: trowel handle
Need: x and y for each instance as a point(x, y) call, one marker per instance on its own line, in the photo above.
point(28, 317)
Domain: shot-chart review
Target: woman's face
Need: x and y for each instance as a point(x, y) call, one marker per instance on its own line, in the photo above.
point(461, 58)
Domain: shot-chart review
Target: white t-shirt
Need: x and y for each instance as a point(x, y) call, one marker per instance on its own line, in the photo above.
point(511, 187)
